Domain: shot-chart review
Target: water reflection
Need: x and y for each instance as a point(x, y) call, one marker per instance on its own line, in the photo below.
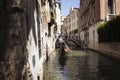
point(108, 69)
point(62, 60)
point(81, 65)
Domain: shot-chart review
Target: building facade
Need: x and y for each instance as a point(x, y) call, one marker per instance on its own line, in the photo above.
point(49, 21)
point(62, 28)
point(58, 18)
point(70, 24)
point(29, 28)
point(92, 13)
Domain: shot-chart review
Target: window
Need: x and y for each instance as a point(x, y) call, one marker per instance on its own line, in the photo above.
point(33, 60)
point(86, 2)
point(38, 77)
point(86, 20)
point(69, 20)
point(75, 31)
point(39, 43)
point(1, 3)
point(49, 29)
point(93, 13)
point(110, 7)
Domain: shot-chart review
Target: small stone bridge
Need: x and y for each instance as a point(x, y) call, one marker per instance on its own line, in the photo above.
point(76, 42)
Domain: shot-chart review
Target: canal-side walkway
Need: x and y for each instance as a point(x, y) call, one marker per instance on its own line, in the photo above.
point(110, 49)
point(81, 65)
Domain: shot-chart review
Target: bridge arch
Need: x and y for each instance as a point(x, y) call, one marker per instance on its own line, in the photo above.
point(74, 41)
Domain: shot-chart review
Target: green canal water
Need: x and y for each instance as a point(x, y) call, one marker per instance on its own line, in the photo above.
point(81, 65)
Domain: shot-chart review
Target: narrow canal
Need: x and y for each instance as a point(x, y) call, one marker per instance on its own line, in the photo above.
point(81, 65)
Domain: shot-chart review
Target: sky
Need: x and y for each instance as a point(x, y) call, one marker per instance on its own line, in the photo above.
point(67, 4)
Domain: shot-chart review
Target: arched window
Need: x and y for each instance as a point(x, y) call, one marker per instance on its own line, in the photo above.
point(110, 7)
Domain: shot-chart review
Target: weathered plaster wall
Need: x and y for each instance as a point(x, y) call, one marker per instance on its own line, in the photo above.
point(13, 39)
point(17, 24)
point(24, 40)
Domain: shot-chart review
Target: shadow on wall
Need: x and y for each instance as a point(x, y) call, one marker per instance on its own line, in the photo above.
point(16, 21)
